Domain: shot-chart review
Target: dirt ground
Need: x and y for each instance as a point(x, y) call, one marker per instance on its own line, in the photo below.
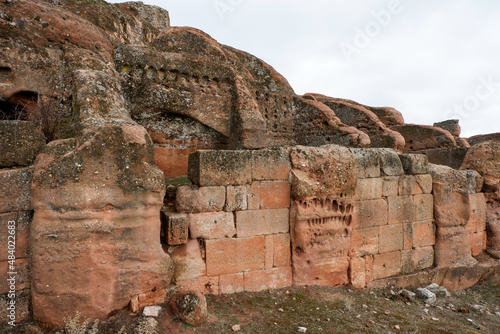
point(325, 310)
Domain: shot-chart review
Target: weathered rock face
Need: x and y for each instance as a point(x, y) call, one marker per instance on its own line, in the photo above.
point(482, 138)
point(320, 220)
point(362, 118)
point(102, 220)
point(485, 158)
point(131, 98)
point(453, 191)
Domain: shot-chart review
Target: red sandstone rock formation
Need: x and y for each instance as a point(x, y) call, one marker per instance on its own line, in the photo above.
point(485, 158)
point(137, 97)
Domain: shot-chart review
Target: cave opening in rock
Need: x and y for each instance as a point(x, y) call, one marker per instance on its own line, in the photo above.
point(18, 106)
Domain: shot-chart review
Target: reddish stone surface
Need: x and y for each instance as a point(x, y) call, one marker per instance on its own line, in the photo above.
point(274, 194)
point(408, 185)
point(451, 210)
point(369, 213)
point(423, 257)
point(477, 242)
point(368, 188)
point(354, 114)
point(281, 250)
point(452, 247)
point(220, 168)
point(138, 302)
point(423, 234)
point(270, 164)
point(103, 221)
point(177, 228)
point(275, 278)
point(419, 138)
point(237, 198)
point(204, 285)
point(188, 261)
point(212, 225)
point(229, 256)
point(193, 199)
point(261, 222)
point(232, 283)
point(386, 265)
point(401, 209)
point(390, 186)
point(320, 230)
point(253, 198)
point(484, 158)
point(390, 238)
point(357, 272)
point(424, 207)
point(364, 241)
point(318, 171)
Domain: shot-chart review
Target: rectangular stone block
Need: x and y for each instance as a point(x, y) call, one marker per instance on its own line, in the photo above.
point(390, 164)
point(424, 234)
point(220, 168)
point(407, 266)
point(237, 198)
point(212, 225)
point(424, 207)
point(261, 222)
point(282, 252)
point(269, 257)
point(423, 257)
point(408, 186)
point(425, 183)
point(138, 302)
point(19, 235)
point(15, 189)
point(176, 226)
point(188, 260)
point(193, 199)
point(401, 209)
point(386, 265)
point(369, 213)
point(230, 256)
point(204, 285)
point(390, 186)
point(253, 198)
point(414, 163)
point(274, 194)
point(390, 238)
point(270, 164)
point(366, 162)
point(407, 236)
point(368, 188)
point(357, 272)
point(477, 212)
point(364, 241)
point(276, 278)
point(232, 283)
point(369, 268)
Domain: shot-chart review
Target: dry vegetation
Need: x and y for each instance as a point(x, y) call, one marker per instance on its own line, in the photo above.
point(321, 310)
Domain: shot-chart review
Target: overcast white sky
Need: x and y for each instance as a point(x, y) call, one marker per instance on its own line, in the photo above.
point(431, 60)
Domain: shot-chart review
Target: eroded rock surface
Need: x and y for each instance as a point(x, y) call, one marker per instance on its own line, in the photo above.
point(485, 158)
